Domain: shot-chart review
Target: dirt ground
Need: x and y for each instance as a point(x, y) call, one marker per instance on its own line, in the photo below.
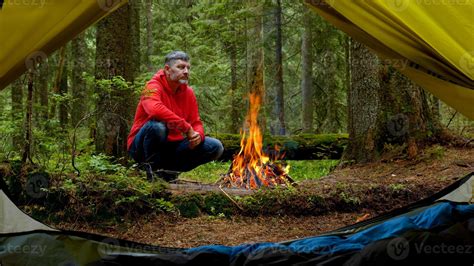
point(434, 168)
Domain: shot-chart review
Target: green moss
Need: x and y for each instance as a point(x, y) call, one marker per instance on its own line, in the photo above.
point(296, 147)
point(188, 205)
point(397, 187)
point(215, 204)
point(188, 209)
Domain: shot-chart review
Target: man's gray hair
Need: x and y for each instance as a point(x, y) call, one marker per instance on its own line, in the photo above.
point(176, 55)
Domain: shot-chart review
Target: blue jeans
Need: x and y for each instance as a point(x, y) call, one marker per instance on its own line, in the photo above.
point(151, 146)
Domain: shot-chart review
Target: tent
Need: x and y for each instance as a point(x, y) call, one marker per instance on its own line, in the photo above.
point(437, 230)
point(30, 30)
point(431, 42)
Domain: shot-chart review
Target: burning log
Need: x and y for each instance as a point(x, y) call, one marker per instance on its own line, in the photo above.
point(270, 175)
point(251, 167)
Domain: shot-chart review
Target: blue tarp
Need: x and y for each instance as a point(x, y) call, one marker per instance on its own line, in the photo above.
point(441, 214)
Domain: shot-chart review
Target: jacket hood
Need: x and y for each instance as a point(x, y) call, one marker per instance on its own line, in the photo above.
point(160, 77)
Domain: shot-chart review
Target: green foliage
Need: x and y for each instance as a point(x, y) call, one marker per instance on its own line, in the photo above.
point(207, 173)
point(102, 164)
point(397, 187)
point(218, 205)
point(113, 86)
point(189, 205)
point(435, 152)
point(314, 169)
point(347, 198)
point(299, 170)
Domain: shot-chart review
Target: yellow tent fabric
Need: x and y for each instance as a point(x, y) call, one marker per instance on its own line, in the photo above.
point(31, 30)
point(430, 41)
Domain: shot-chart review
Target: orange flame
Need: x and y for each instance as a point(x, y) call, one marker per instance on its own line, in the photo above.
point(251, 167)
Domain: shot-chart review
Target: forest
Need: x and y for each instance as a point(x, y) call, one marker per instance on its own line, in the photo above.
point(64, 123)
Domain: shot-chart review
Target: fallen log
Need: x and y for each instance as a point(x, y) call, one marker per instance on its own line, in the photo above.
point(295, 147)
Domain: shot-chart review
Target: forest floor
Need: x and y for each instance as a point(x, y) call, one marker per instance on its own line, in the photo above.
point(435, 168)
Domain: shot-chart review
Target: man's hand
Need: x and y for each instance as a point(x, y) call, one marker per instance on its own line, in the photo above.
point(194, 138)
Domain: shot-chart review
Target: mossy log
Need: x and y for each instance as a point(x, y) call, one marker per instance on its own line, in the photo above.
point(296, 147)
point(309, 200)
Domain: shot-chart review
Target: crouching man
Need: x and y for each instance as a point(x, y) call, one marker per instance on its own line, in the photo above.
point(167, 136)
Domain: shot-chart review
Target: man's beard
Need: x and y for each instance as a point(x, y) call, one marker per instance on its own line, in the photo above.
point(180, 81)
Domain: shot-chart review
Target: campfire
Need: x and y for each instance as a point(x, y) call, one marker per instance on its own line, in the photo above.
point(252, 168)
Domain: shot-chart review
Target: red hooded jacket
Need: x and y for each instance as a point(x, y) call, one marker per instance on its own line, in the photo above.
point(179, 110)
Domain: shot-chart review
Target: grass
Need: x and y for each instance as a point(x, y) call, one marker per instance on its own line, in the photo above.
point(299, 170)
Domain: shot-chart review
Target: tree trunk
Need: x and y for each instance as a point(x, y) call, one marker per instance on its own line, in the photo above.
point(134, 56)
point(26, 156)
point(57, 80)
point(363, 104)
point(255, 50)
point(348, 72)
point(43, 89)
point(255, 67)
point(63, 106)
point(331, 117)
point(385, 107)
point(149, 34)
point(307, 74)
point(279, 110)
point(17, 111)
point(435, 108)
point(115, 40)
point(407, 118)
point(79, 89)
point(234, 112)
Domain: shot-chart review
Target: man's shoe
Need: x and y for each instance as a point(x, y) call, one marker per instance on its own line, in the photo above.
point(167, 175)
point(150, 176)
